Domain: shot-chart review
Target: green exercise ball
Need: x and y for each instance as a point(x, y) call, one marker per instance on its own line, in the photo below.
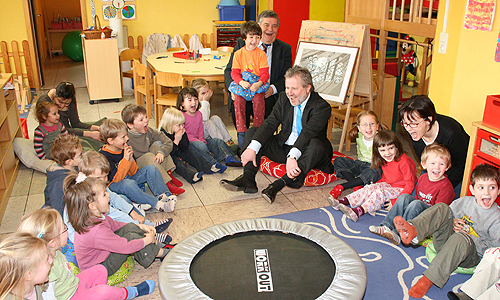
point(72, 46)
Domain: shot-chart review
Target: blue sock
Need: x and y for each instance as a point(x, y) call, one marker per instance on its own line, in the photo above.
point(143, 288)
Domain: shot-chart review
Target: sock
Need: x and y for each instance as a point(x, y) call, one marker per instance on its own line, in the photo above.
point(352, 183)
point(197, 177)
point(143, 288)
point(406, 231)
point(174, 180)
point(344, 201)
point(174, 189)
point(162, 225)
point(359, 211)
point(420, 288)
point(221, 168)
point(163, 238)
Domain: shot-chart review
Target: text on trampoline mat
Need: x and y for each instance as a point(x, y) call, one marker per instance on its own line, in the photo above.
point(263, 271)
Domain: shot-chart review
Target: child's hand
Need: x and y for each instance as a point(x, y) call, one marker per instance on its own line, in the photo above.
point(159, 158)
point(178, 135)
point(256, 86)
point(96, 135)
point(128, 153)
point(388, 205)
point(245, 84)
point(206, 96)
point(458, 224)
point(147, 228)
point(134, 215)
point(149, 238)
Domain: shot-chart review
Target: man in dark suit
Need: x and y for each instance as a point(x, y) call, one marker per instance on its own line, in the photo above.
point(301, 143)
point(279, 59)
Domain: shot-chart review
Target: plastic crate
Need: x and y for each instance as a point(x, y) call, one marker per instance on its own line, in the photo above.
point(231, 13)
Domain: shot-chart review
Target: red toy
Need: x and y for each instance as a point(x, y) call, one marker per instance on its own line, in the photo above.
point(409, 58)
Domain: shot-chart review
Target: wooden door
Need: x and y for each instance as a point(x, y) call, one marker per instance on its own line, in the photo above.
point(40, 22)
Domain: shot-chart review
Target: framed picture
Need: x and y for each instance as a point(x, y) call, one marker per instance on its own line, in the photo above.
point(330, 66)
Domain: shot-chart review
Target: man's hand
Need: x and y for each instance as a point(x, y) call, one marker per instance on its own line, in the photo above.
point(248, 156)
point(128, 153)
point(269, 92)
point(245, 84)
point(458, 225)
point(292, 168)
point(159, 158)
point(256, 86)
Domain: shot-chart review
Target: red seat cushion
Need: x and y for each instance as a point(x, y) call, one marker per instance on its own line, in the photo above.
point(313, 178)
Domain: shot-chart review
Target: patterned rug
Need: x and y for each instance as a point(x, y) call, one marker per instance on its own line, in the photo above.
point(391, 269)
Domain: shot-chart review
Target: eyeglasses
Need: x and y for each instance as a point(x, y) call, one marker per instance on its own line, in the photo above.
point(364, 125)
point(65, 230)
point(411, 125)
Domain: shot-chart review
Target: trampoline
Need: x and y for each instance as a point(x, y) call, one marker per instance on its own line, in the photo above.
point(262, 259)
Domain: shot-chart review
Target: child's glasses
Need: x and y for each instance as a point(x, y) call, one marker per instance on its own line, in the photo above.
point(365, 125)
point(65, 230)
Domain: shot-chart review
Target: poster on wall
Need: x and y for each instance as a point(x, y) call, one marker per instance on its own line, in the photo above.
point(109, 12)
point(479, 14)
point(497, 52)
point(128, 12)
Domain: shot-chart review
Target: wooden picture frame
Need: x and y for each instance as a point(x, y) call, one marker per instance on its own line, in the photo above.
point(331, 67)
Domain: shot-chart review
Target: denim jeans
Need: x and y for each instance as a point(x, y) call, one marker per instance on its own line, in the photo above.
point(406, 206)
point(216, 146)
point(129, 186)
point(357, 168)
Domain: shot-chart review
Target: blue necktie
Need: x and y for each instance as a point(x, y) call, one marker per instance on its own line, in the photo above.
point(298, 123)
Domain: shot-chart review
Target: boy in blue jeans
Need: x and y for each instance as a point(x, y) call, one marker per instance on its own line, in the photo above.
point(432, 187)
point(124, 175)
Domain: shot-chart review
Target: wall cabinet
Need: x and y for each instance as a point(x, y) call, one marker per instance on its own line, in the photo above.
point(227, 32)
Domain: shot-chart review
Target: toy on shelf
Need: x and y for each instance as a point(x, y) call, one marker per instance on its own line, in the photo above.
point(409, 59)
point(189, 56)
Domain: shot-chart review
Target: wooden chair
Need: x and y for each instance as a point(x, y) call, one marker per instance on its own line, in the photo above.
point(173, 49)
point(128, 55)
point(142, 85)
point(338, 118)
point(169, 99)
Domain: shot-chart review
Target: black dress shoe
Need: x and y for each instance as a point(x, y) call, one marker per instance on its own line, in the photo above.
point(241, 183)
point(269, 193)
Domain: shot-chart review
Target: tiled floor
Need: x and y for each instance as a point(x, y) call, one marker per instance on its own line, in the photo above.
point(202, 205)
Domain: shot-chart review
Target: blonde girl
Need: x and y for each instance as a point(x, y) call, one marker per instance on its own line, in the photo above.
point(24, 266)
point(212, 125)
point(399, 176)
point(358, 172)
point(47, 224)
point(47, 114)
point(98, 238)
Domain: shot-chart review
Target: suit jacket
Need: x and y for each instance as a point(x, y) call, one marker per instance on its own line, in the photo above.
point(281, 62)
point(314, 123)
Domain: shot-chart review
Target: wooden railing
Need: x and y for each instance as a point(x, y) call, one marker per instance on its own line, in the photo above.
point(185, 38)
point(21, 60)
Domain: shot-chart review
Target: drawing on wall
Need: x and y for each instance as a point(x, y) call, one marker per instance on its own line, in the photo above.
point(128, 12)
point(108, 12)
point(330, 66)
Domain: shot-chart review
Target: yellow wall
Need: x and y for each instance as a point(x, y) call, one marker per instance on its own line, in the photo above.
point(327, 10)
point(13, 25)
point(463, 77)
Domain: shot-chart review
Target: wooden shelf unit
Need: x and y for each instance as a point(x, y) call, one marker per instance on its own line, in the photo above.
point(10, 125)
point(226, 33)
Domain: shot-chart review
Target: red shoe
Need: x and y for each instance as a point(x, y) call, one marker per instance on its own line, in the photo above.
point(356, 188)
point(174, 189)
point(337, 190)
point(174, 180)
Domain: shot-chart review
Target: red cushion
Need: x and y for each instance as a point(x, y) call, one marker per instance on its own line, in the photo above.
point(313, 178)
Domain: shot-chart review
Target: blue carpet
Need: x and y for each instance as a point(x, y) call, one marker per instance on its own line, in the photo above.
point(391, 269)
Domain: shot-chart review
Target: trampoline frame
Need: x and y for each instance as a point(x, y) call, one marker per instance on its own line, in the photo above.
point(175, 281)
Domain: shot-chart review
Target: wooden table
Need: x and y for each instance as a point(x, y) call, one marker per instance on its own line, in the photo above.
point(207, 67)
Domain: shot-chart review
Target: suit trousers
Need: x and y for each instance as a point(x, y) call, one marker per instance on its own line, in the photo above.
point(314, 156)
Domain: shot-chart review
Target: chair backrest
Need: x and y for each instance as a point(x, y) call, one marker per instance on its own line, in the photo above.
point(130, 54)
point(169, 79)
point(225, 49)
point(139, 68)
point(175, 49)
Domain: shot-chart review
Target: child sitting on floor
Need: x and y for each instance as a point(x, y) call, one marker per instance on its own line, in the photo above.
point(47, 224)
point(47, 114)
point(461, 232)
point(24, 266)
point(399, 176)
point(432, 187)
point(150, 146)
point(188, 104)
point(250, 73)
point(212, 125)
point(99, 239)
point(358, 172)
point(124, 175)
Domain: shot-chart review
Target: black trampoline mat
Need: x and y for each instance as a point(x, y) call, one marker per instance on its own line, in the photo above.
point(299, 268)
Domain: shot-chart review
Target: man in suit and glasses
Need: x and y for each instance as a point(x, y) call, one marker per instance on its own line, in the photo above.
point(279, 59)
point(301, 143)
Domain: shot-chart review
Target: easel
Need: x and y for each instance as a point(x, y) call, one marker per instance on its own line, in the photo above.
point(351, 35)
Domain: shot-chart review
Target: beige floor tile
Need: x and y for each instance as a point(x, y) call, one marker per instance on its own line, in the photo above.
point(249, 208)
point(305, 199)
point(189, 198)
point(38, 183)
point(35, 201)
point(13, 214)
point(22, 182)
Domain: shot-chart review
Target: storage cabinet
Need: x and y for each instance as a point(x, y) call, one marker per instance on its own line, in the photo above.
point(227, 32)
point(9, 129)
point(484, 147)
point(102, 69)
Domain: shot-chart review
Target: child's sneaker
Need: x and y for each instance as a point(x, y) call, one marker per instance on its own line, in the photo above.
point(233, 162)
point(218, 168)
point(357, 188)
point(384, 231)
point(166, 250)
point(174, 180)
point(167, 206)
point(142, 208)
point(163, 197)
point(142, 289)
point(336, 191)
point(162, 225)
point(334, 202)
point(348, 212)
point(197, 177)
point(175, 189)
